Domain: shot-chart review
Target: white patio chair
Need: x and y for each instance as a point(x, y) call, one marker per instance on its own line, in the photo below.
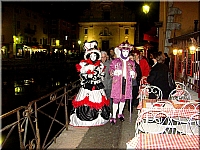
point(180, 85)
point(187, 121)
point(150, 89)
point(179, 94)
point(153, 121)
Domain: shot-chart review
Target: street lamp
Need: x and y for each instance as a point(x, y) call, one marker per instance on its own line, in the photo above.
point(79, 42)
point(145, 8)
point(175, 52)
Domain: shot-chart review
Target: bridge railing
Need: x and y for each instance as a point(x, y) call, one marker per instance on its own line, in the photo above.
point(37, 125)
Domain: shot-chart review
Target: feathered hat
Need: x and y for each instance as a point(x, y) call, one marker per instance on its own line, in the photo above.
point(125, 45)
point(91, 47)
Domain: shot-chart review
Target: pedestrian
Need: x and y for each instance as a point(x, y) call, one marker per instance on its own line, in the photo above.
point(107, 80)
point(112, 54)
point(158, 75)
point(90, 106)
point(144, 65)
point(167, 60)
point(135, 85)
point(122, 71)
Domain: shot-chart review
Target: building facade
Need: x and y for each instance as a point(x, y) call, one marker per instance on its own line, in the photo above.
point(180, 38)
point(109, 23)
point(21, 29)
point(26, 31)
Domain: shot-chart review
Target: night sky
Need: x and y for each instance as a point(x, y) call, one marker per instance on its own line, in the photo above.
point(71, 10)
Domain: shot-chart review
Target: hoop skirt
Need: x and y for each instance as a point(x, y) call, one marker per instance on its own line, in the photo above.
point(90, 106)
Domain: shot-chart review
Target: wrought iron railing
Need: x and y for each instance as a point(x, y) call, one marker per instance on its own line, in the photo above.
point(37, 125)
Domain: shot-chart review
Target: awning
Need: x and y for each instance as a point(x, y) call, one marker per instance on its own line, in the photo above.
point(185, 36)
point(151, 35)
point(150, 38)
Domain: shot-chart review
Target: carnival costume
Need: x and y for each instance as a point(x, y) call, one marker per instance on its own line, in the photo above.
point(90, 106)
point(122, 70)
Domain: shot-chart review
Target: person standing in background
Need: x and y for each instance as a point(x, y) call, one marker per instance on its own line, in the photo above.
point(167, 60)
point(158, 75)
point(144, 65)
point(112, 54)
point(122, 71)
point(107, 80)
point(135, 84)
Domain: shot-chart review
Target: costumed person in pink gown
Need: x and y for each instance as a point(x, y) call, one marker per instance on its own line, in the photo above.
point(122, 71)
point(90, 106)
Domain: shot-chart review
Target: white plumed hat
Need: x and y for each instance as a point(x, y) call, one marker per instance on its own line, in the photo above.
point(91, 47)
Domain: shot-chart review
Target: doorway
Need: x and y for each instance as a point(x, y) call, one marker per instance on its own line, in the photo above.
point(105, 45)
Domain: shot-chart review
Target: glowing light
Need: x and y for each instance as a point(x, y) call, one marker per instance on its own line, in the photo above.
point(145, 8)
point(180, 51)
point(192, 49)
point(175, 51)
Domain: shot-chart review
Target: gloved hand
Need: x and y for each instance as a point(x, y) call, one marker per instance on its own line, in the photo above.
point(133, 74)
point(117, 72)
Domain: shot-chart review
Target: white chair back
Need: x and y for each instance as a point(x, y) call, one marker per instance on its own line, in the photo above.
point(179, 94)
point(180, 85)
point(150, 89)
point(153, 121)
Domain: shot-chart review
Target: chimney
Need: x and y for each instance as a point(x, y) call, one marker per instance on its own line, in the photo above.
point(195, 25)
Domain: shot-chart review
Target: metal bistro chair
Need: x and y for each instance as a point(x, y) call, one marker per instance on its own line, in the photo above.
point(179, 94)
point(187, 121)
point(150, 89)
point(180, 85)
point(153, 121)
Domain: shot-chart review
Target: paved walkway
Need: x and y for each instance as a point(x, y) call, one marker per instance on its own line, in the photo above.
point(101, 137)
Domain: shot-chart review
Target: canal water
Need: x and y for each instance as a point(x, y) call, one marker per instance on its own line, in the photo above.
point(20, 88)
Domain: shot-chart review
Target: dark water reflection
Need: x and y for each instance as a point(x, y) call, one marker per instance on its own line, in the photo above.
point(19, 90)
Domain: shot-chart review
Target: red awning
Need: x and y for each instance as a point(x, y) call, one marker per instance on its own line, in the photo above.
point(150, 38)
point(151, 35)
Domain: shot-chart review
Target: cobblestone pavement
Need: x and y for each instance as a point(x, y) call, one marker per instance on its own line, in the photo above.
point(101, 137)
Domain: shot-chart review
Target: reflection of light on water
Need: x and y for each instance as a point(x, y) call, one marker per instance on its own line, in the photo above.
point(26, 82)
point(19, 87)
point(18, 90)
point(32, 80)
point(55, 84)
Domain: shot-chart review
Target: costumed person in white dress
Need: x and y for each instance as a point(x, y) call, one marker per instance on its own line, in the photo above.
point(90, 106)
point(122, 71)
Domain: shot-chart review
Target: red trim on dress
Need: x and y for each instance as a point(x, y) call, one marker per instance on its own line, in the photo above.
point(86, 101)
